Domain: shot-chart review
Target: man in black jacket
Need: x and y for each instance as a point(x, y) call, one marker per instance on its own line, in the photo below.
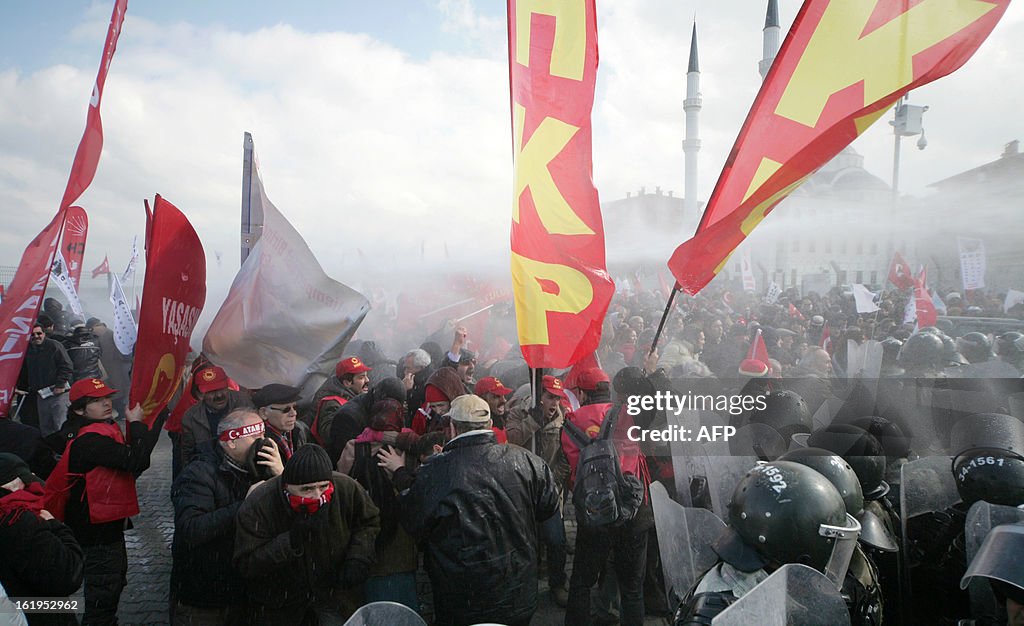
point(40, 554)
point(476, 507)
point(46, 375)
point(207, 496)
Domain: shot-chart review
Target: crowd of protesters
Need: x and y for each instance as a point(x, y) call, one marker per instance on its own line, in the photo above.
point(295, 508)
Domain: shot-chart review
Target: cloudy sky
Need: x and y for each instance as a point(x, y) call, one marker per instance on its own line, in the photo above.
point(383, 124)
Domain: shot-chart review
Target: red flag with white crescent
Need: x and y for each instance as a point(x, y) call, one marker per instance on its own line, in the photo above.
point(173, 296)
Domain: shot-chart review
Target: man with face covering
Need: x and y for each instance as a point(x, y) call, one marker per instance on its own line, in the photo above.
point(216, 399)
point(303, 539)
point(206, 497)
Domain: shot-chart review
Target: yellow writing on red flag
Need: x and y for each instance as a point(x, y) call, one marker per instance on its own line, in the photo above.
point(561, 288)
point(842, 65)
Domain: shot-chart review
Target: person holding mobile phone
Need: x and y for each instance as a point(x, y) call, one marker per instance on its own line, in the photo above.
point(205, 587)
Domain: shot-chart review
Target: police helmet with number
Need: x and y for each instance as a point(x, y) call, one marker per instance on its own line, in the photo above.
point(778, 514)
point(989, 458)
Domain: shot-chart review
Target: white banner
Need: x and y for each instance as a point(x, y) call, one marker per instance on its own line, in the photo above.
point(1013, 298)
point(59, 276)
point(772, 295)
point(748, 273)
point(972, 262)
point(129, 271)
point(864, 298)
point(284, 319)
point(125, 329)
point(910, 311)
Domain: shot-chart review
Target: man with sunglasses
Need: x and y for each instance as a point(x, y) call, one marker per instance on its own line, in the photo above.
point(46, 375)
point(275, 403)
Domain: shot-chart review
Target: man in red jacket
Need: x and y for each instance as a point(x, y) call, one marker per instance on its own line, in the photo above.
point(92, 489)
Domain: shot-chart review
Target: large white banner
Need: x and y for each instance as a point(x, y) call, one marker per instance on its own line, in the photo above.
point(60, 277)
point(284, 319)
point(748, 273)
point(972, 262)
point(864, 298)
point(125, 329)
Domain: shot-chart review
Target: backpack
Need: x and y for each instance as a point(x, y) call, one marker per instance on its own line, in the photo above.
point(603, 494)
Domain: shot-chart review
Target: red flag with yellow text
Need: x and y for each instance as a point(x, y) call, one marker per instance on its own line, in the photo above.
point(559, 278)
point(173, 296)
point(843, 64)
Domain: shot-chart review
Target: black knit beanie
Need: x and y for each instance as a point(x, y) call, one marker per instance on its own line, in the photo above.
point(11, 467)
point(309, 464)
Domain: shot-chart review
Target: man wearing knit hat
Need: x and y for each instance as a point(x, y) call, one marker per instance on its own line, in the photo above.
point(303, 540)
point(476, 508)
point(216, 399)
point(206, 497)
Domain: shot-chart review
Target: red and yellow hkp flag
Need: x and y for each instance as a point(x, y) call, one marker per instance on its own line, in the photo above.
point(561, 287)
point(843, 64)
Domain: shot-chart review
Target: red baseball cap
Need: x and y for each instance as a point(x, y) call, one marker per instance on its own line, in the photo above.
point(588, 378)
point(211, 379)
point(553, 385)
point(90, 388)
point(490, 384)
point(350, 365)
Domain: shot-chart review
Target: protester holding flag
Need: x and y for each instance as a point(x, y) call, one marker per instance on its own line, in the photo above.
point(92, 489)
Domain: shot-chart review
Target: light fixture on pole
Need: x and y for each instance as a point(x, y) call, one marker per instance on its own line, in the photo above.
point(908, 122)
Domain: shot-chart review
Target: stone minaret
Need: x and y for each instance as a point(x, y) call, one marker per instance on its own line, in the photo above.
point(770, 44)
point(691, 145)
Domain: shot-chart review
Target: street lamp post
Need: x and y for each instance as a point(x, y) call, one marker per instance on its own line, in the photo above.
point(908, 122)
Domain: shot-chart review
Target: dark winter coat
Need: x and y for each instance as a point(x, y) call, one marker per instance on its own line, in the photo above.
point(324, 414)
point(206, 496)
point(40, 558)
point(85, 353)
point(279, 576)
point(45, 365)
point(287, 444)
point(476, 508)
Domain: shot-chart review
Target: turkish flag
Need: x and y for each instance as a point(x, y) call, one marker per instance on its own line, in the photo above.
point(795, 313)
point(926, 313)
point(102, 268)
point(173, 296)
point(899, 273)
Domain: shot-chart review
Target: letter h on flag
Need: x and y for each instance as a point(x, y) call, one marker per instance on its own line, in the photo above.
point(559, 278)
point(843, 65)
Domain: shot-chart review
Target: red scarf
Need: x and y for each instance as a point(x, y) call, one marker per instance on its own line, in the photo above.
point(309, 506)
point(28, 499)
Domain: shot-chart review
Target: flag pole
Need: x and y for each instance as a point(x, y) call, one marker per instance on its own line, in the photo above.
point(664, 318)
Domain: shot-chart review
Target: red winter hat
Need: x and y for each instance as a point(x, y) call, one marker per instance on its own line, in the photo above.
point(350, 365)
point(90, 388)
point(211, 379)
point(490, 384)
point(433, 393)
point(553, 385)
point(588, 378)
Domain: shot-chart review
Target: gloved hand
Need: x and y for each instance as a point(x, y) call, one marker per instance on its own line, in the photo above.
point(354, 573)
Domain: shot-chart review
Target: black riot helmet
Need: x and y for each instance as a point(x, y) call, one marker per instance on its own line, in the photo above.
point(895, 443)
point(861, 450)
point(976, 347)
point(950, 352)
point(785, 411)
point(890, 353)
point(836, 470)
point(777, 515)
point(1010, 346)
point(922, 351)
point(988, 462)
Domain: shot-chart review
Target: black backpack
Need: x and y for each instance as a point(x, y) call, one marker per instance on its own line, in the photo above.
point(603, 495)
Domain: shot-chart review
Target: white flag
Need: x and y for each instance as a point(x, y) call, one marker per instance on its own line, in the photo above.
point(125, 329)
point(773, 293)
point(1013, 298)
point(910, 311)
point(129, 271)
point(747, 272)
point(59, 275)
point(972, 262)
point(864, 298)
point(284, 319)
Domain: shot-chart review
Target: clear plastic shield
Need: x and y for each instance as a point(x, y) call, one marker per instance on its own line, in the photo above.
point(685, 536)
point(793, 594)
point(981, 519)
point(385, 614)
point(927, 485)
point(690, 461)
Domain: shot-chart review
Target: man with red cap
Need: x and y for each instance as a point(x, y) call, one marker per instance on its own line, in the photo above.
point(92, 489)
point(350, 379)
point(216, 399)
point(493, 391)
point(443, 386)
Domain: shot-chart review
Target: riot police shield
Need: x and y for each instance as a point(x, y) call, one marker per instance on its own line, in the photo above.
point(385, 614)
point(981, 519)
point(927, 486)
point(685, 536)
point(706, 472)
point(793, 594)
